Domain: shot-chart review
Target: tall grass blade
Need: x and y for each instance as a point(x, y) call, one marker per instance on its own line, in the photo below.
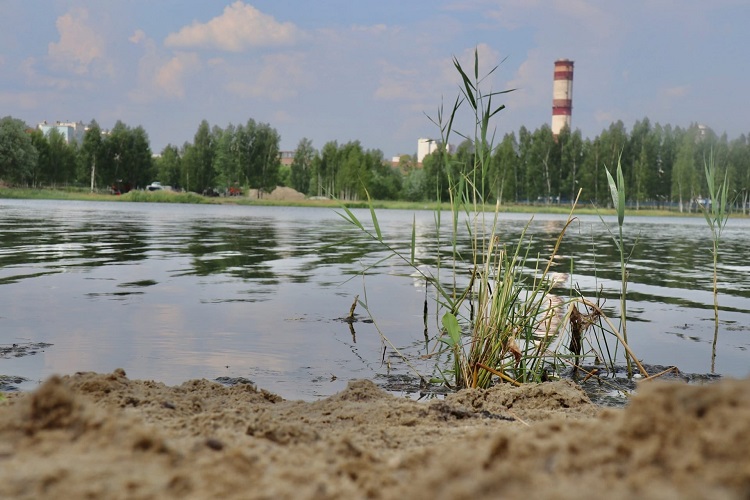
point(717, 216)
point(617, 190)
point(350, 217)
point(412, 261)
point(374, 217)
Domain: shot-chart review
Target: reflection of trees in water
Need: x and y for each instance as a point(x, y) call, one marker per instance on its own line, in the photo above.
point(240, 251)
point(57, 244)
point(679, 259)
point(256, 250)
point(117, 242)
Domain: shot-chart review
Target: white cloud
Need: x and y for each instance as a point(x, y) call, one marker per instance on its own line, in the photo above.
point(279, 77)
point(238, 28)
point(532, 81)
point(138, 36)
point(375, 29)
point(25, 100)
point(397, 83)
point(676, 92)
point(169, 79)
point(160, 74)
point(28, 68)
point(605, 117)
point(79, 46)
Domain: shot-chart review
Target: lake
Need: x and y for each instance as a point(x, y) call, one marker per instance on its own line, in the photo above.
point(173, 292)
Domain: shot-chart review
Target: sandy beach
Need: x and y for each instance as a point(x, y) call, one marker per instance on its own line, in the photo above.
point(106, 436)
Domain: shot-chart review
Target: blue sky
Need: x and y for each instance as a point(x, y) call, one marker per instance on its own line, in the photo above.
point(366, 70)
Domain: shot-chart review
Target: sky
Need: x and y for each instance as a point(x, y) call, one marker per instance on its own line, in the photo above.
point(372, 71)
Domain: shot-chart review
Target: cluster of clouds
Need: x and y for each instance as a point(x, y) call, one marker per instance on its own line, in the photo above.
point(166, 67)
point(245, 58)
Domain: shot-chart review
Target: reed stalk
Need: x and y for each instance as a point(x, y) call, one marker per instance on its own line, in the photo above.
point(617, 190)
point(717, 215)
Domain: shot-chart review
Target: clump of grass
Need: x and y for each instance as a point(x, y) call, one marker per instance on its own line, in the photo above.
point(162, 197)
point(717, 215)
point(504, 322)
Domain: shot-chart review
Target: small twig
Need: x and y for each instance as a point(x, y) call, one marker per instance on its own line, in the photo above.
point(616, 334)
point(672, 369)
point(351, 309)
point(499, 374)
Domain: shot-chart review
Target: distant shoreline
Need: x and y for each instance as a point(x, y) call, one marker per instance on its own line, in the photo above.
point(77, 194)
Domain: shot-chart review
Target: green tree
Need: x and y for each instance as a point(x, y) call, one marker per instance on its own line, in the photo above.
point(666, 140)
point(325, 167)
point(302, 165)
point(738, 169)
point(141, 167)
point(412, 186)
point(201, 164)
point(18, 157)
point(504, 170)
point(169, 166)
point(38, 174)
point(91, 154)
point(352, 176)
point(127, 160)
point(542, 164)
point(262, 167)
point(684, 172)
point(226, 164)
point(60, 164)
point(571, 157)
point(385, 181)
point(435, 177)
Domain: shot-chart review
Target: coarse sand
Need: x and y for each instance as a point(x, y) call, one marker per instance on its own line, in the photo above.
point(106, 436)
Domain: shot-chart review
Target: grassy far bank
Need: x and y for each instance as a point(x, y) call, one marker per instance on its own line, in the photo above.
point(82, 194)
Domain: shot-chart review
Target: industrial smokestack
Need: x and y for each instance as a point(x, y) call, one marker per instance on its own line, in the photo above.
point(562, 95)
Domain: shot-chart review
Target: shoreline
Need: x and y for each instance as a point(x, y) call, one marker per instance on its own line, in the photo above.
point(295, 201)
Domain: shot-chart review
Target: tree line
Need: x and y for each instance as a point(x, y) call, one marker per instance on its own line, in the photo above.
point(662, 165)
point(28, 157)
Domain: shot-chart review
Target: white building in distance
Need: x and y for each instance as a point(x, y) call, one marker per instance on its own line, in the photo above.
point(71, 131)
point(428, 146)
point(425, 147)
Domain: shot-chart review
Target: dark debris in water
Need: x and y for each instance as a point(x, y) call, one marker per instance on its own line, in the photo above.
point(231, 381)
point(608, 388)
point(8, 383)
point(612, 387)
point(141, 283)
point(411, 385)
point(353, 319)
point(8, 351)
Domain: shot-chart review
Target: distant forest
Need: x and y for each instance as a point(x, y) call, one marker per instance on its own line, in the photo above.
point(663, 166)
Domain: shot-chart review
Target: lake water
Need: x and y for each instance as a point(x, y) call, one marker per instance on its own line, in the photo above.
point(174, 292)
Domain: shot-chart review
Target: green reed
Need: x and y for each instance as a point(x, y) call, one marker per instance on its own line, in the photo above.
point(506, 322)
point(617, 190)
point(717, 215)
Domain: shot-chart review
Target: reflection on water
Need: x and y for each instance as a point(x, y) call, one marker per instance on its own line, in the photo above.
point(172, 292)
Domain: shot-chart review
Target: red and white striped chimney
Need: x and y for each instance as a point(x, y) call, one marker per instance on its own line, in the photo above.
point(562, 95)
